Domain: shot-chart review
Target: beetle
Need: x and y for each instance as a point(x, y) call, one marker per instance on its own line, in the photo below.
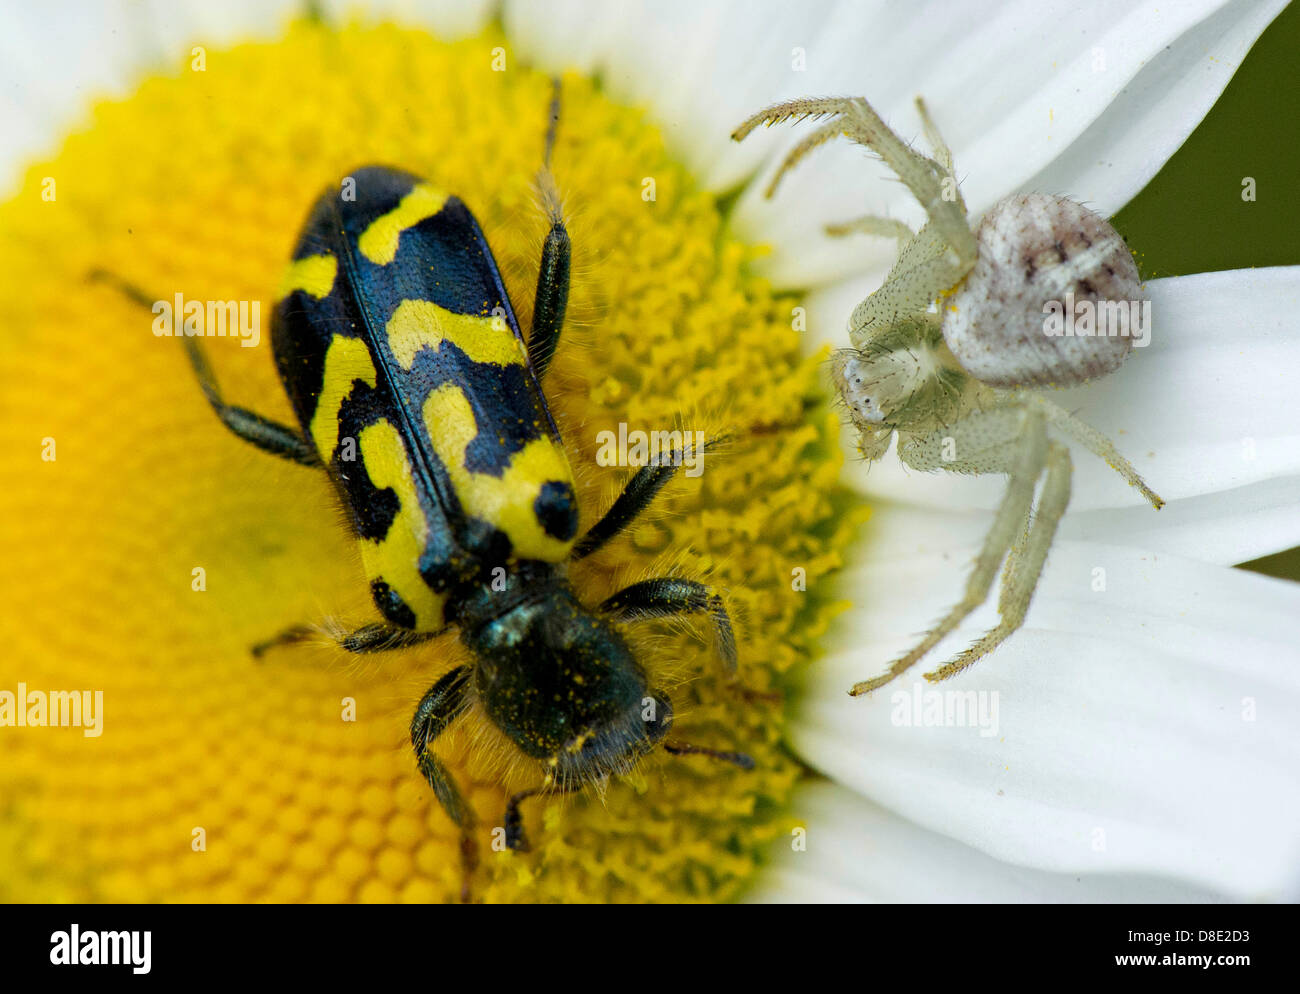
point(414, 388)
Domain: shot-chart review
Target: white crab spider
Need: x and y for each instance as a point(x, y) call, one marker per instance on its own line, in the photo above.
point(955, 381)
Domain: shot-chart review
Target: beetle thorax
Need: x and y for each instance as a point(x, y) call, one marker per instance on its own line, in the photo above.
point(558, 679)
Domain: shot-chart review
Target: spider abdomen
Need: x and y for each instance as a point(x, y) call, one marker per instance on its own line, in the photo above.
point(1054, 298)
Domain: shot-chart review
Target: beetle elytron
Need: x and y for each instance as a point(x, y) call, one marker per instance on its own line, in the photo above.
point(413, 386)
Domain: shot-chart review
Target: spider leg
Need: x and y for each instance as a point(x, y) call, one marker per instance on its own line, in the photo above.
point(881, 227)
point(942, 153)
point(792, 110)
point(946, 246)
point(1013, 441)
point(1096, 443)
point(922, 175)
point(827, 132)
point(1024, 565)
point(923, 272)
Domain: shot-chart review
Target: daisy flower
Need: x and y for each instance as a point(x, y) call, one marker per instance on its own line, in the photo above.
point(1135, 740)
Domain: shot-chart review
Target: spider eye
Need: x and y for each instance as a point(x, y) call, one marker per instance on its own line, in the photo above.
point(859, 384)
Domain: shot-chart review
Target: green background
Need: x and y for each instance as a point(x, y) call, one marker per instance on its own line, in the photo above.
point(1191, 219)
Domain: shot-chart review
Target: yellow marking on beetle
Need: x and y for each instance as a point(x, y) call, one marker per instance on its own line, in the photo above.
point(314, 275)
point(505, 501)
point(417, 323)
point(378, 243)
point(348, 359)
point(395, 557)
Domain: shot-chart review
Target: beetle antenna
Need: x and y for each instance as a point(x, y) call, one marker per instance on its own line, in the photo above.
point(745, 762)
point(129, 290)
point(545, 179)
point(553, 121)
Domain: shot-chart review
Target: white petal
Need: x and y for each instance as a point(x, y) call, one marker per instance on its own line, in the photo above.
point(1150, 727)
point(856, 851)
point(1012, 87)
point(1211, 404)
point(448, 20)
point(53, 68)
point(168, 29)
point(48, 71)
point(1208, 413)
point(1228, 527)
point(701, 68)
point(1149, 119)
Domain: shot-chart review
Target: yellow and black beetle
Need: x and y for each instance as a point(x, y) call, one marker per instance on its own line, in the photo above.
point(401, 355)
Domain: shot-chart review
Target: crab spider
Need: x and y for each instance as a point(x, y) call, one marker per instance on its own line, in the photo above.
point(947, 351)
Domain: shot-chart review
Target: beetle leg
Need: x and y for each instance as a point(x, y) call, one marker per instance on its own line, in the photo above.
point(516, 839)
point(552, 298)
point(741, 759)
point(446, 701)
point(636, 497)
point(269, 436)
point(367, 638)
point(668, 596)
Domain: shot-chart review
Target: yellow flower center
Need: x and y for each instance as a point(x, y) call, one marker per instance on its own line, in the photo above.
point(147, 549)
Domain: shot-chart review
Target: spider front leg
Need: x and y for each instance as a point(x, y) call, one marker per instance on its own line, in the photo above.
point(1011, 440)
point(941, 255)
